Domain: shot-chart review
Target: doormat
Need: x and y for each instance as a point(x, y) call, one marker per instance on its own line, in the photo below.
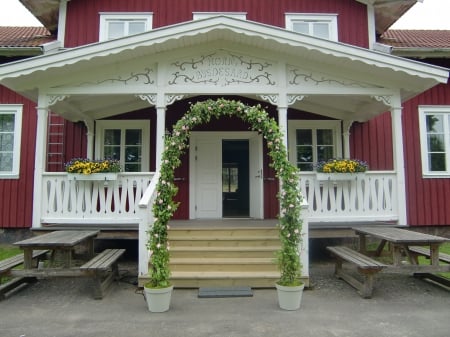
point(225, 292)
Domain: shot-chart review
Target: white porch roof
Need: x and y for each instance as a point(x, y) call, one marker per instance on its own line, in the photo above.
point(382, 73)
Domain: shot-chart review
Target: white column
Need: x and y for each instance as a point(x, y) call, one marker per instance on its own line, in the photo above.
point(90, 139)
point(282, 124)
point(399, 160)
point(160, 133)
point(40, 158)
point(346, 125)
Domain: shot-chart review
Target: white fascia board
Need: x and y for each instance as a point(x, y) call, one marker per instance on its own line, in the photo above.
point(209, 25)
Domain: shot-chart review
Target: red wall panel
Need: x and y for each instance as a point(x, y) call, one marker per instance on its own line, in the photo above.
point(83, 15)
point(428, 198)
point(16, 202)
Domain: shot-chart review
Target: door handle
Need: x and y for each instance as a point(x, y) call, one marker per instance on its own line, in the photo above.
point(178, 179)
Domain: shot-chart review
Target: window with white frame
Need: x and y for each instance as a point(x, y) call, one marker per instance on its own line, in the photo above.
point(319, 25)
point(127, 141)
point(117, 25)
point(434, 123)
point(10, 137)
point(313, 141)
point(204, 15)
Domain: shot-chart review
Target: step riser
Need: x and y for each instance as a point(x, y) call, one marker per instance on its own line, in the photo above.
point(224, 267)
point(223, 243)
point(214, 254)
point(259, 283)
point(181, 233)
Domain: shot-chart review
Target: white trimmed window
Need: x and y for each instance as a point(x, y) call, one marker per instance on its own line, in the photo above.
point(117, 25)
point(204, 15)
point(127, 141)
point(434, 123)
point(10, 137)
point(318, 25)
point(313, 141)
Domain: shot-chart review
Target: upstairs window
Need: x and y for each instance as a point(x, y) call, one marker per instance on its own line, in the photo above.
point(126, 141)
point(434, 123)
point(117, 25)
point(204, 15)
point(10, 137)
point(313, 141)
point(323, 26)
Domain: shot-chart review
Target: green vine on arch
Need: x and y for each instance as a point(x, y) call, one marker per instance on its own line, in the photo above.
point(176, 143)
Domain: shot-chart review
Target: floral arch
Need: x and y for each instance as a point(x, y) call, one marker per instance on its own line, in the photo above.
point(175, 145)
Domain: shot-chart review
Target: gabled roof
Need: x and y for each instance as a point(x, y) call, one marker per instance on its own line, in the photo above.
point(24, 36)
point(381, 70)
point(418, 43)
point(23, 41)
point(417, 38)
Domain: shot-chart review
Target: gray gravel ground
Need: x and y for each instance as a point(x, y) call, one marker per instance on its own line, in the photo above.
point(402, 306)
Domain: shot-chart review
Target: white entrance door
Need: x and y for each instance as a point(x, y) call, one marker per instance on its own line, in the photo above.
point(256, 177)
point(205, 177)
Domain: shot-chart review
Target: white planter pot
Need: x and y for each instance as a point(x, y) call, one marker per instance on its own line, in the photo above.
point(339, 176)
point(289, 298)
point(158, 300)
point(93, 176)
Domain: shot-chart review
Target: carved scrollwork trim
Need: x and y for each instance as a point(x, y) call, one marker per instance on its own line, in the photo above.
point(170, 99)
point(53, 99)
point(386, 100)
point(151, 98)
point(273, 99)
point(291, 99)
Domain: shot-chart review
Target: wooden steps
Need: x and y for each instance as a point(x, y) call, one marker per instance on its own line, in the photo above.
point(212, 257)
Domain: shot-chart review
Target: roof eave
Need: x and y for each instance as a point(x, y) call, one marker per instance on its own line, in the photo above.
point(421, 53)
point(20, 51)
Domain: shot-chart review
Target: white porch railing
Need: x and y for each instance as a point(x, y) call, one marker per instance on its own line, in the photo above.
point(370, 198)
point(77, 202)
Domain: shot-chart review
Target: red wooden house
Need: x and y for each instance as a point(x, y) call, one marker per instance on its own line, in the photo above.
point(119, 74)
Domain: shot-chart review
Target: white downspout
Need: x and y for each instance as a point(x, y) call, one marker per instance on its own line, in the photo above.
point(40, 158)
point(62, 21)
point(399, 160)
point(371, 29)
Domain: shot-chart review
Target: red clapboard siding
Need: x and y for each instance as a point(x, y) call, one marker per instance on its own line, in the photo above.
point(428, 199)
point(16, 202)
point(372, 142)
point(83, 15)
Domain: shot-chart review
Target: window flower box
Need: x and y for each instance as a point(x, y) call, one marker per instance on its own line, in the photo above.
point(92, 177)
point(339, 176)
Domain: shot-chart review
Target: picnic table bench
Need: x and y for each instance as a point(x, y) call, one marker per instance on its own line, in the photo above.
point(7, 264)
point(366, 267)
point(103, 268)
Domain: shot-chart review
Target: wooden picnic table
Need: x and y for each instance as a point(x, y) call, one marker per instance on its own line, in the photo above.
point(401, 242)
point(63, 242)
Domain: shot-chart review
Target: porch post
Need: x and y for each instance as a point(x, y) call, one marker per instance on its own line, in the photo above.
point(90, 139)
point(399, 167)
point(282, 123)
point(40, 158)
point(346, 125)
point(160, 129)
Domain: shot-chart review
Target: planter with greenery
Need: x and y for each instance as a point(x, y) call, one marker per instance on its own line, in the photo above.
point(290, 223)
point(87, 169)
